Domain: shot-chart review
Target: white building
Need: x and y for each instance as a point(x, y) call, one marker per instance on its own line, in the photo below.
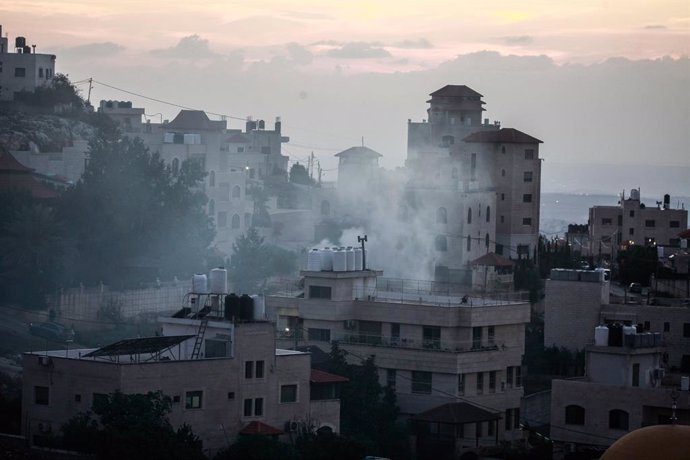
point(21, 68)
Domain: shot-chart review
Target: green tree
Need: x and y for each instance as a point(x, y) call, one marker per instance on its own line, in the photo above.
point(133, 426)
point(60, 92)
point(300, 175)
point(253, 262)
point(133, 219)
point(260, 217)
point(637, 263)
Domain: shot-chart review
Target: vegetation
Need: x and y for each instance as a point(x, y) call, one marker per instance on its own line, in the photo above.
point(300, 175)
point(637, 264)
point(130, 426)
point(253, 262)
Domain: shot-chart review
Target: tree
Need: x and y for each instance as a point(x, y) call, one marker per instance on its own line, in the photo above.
point(300, 175)
point(133, 219)
point(637, 263)
point(133, 426)
point(260, 217)
point(253, 262)
point(60, 92)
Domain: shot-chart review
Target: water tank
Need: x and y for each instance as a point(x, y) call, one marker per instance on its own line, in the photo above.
point(326, 259)
point(358, 259)
point(629, 333)
point(199, 284)
point(339, 261)
point(314, 261)
point(232, 306)
point(601, 336)
point(20, 42)
point(246, 308)
point(259, 308)
point(615, 335)
point(635, 194)
point(218, 281)
point(350, 258)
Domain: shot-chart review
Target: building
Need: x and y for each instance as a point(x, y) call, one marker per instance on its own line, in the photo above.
point(22, 69)
point(632, 222)
point(14, 176)
point(482, 180)
point(624, 389)
point(223, 373)
point(433, 345)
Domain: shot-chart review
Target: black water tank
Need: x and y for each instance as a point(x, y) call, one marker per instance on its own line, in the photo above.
point(615, 335)
point(246, 308)
point(232, 306)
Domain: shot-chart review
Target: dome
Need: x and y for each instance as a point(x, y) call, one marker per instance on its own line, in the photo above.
point(668, 442)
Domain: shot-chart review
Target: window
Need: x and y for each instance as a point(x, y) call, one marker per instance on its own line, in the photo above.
point(480, 383)
point(674, 224)
point(441, 216)
point(526, 221)
point(527, 176)
point(503, 173)
point(222, 219)
point(487, 241)
point(288, 393)
point(325, 208)
point(491, 428)
point(476, 337)
point(240, 149)
point(193, 399)
point(478, 429)
point(40, 72)
point(319, 335)
point(509, 419)
point(431, 337)
point(236, 191)
point(492, 382)
point(248, 406)
point(395, 331)
point(319, 292)
point(518, 376)
point(491, 333)
point(212, 179)
point(231, 395)
point(235, 221)
point(469, 243)
point(441, 243)
point(647, 326)
point(41, 395)
point(461, 384)
point(266, 150)
point(259, 369)
point(473, 166)
point(618, 419)
point(421, 382)
point(249, 369)
point(503, 219)
point(215, 348)
point(574, 415)
point(514, 376)
point(636, 374)
point(529, 154)
point(650, 223)
point(503, 149)
point(469, 216)
point(631, 231)
point(516, 417)
point(686, 329)
point(503, 196)
point(606, 221)
point(19, 72)
point(391, 378)
point(632, 213)
point(488, 213)
point(667, 326)
point(258, 406)
point(499, 247)
point(620, 220)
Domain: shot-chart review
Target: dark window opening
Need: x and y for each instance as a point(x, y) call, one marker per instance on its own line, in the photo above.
point(574, 415)
point(319, 292)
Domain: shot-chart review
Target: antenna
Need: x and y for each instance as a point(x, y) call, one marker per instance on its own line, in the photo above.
point(363, 146)
point(364, 253)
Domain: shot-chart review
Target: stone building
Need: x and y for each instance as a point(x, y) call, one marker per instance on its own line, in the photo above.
point(23, 69)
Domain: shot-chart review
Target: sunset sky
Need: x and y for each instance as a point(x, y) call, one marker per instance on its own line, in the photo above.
point(599, 81)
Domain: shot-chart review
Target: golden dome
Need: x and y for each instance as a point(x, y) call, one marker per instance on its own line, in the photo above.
point(667, 442)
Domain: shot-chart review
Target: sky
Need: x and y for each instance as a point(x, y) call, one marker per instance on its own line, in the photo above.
point(600, 82)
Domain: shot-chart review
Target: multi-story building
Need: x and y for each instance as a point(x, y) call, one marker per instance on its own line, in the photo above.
point(23, 69)
point(235, 161)
point(624, 389)
point(432, 346)
point(482, 180)
point(224, 377)
point(631, 222)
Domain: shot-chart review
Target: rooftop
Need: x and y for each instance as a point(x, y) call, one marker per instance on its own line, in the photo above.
point(359, 152)
point(503, 135)
point(456, 414)
point(455, 91)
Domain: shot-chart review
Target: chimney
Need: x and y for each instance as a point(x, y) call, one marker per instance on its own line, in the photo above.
point(279, 125)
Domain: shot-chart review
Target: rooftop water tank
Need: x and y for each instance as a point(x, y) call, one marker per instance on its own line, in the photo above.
point(259, 307)
point(629, 333)
point(350, 258)
point(232, 306)
point(218, 281)
point(616, 335)
point(339, 261)
point(246, 308)
point(20, 42)
point(601, 336)
point(199, 284)
point(358, 259)
point(314, 261)
point(326, 259)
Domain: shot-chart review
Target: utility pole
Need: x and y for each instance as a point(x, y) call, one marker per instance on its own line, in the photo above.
point(88, 98)
point(318, 167)
point(364, 252)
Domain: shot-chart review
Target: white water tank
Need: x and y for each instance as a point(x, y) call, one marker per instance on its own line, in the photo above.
point(259, 307)
point(218, 281)
point(314, 261)
point(350, 254)
point(601, 336)
point(199, 284)
point(635, 194)
point(326, 259)
point(629, 330)
point(339, 260)
point(358, 259)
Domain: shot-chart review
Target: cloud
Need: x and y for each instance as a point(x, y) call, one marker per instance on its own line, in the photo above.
point(299, 54)
point(93, 50)
point(190, 47)
point(517, 40)
point(420, 43)
point(359, 50)
point(655, 27)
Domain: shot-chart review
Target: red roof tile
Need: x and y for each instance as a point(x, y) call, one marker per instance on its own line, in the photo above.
point(493, 260)
point(191, 119)
point(318, 376)
point(503, 135)
point(9, 163)
point(456, 414)
point(257, 427)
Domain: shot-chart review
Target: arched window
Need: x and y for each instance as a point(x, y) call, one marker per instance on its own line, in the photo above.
point(503, 172)
point(236, 191)
point(574, 415)
point(235, 221)
point(175, 166)
point(211, 208)
point(503, 149)
point(488, 213)
point(325, 208)
point(441, 216)
point(212, 179)
point(469, 243)
point(469, 216)
point(441, 243)
point(619, 420)
point(487, 241)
